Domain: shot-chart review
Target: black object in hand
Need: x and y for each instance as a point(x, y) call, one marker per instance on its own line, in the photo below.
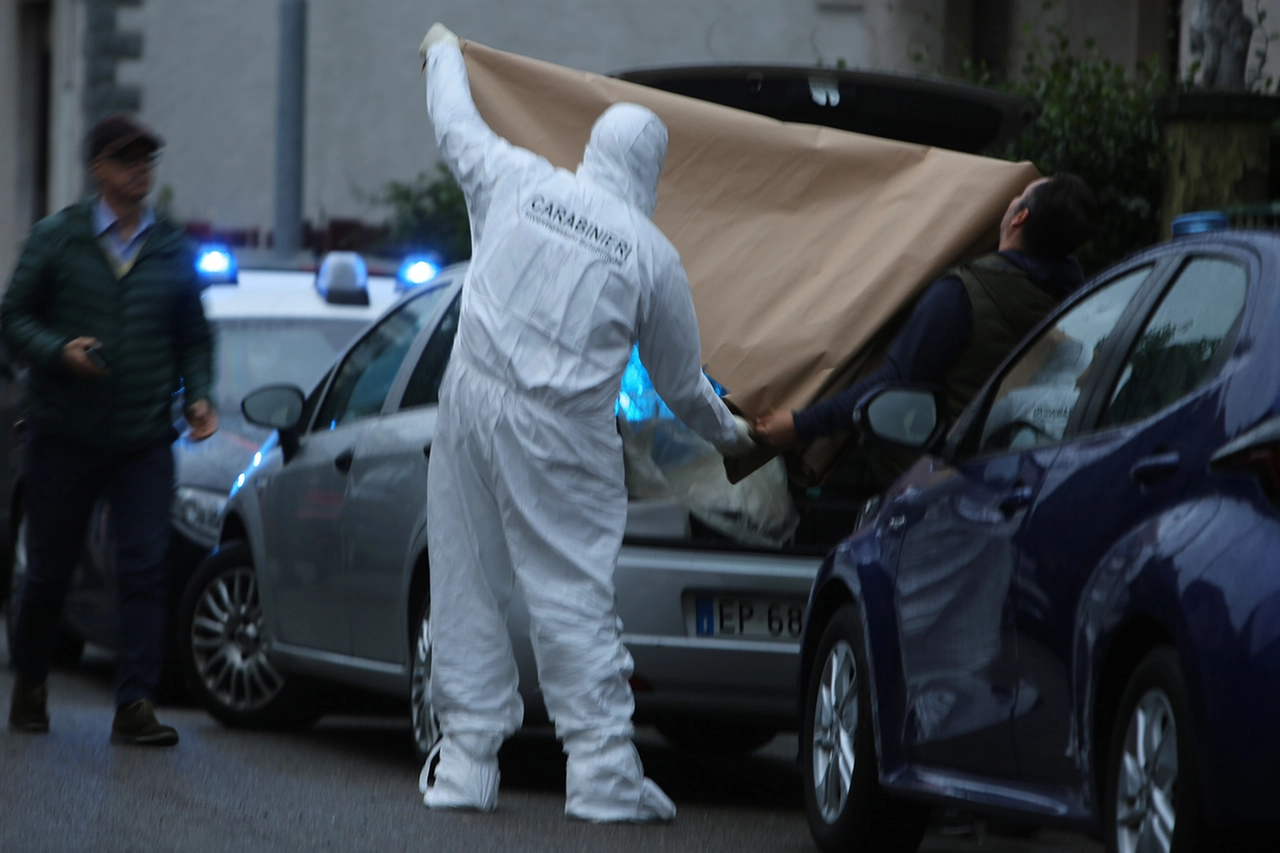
point(95, 355)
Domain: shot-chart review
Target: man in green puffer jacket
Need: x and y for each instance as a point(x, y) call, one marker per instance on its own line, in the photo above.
point(105, 308)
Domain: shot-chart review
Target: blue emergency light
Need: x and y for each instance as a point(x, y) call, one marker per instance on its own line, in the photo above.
point(638, 400)
point(343, 279)
point(1200, 222)
point(216, 265)
point(416, 271)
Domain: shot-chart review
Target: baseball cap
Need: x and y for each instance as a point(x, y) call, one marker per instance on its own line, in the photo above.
point(117, 131)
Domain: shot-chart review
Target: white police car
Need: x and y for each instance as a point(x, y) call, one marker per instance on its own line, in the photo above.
point(271, 325)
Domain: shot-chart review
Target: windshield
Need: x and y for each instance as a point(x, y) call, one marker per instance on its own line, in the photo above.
point(253, 352)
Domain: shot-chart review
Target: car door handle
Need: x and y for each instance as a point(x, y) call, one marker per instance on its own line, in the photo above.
point(1155, 467)
point(426, 451)
point(343, 460)
point(1014, 501)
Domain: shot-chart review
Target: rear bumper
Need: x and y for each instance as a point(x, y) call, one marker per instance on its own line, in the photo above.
point(693, 676)
point(679, 671)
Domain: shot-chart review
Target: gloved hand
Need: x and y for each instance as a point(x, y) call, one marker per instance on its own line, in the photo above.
point(438, 33)
point(744, 444)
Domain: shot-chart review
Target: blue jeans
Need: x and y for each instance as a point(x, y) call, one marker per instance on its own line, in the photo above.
point(63, 481)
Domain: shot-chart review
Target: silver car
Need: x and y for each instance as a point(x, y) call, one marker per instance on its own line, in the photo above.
point(321, 572)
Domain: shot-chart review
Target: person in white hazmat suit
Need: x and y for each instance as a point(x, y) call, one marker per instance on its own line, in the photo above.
point(526, 478)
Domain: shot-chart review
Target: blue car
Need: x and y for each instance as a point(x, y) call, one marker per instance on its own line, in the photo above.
point(1068, 610)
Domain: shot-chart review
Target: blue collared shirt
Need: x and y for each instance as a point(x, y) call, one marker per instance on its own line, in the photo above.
point(121, 253)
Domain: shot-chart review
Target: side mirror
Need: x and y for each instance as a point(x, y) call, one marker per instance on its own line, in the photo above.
point(274, 407)
point(907, 417)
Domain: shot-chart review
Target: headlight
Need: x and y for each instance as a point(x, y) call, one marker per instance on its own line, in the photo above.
point(198, 513)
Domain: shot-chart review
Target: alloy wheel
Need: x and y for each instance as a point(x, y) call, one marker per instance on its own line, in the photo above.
point(227, 643)
point(426, 727)
point(835, 727)
point(1145, 815)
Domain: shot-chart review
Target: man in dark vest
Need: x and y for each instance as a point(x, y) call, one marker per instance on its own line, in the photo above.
point(105, 307)
point(969, 320)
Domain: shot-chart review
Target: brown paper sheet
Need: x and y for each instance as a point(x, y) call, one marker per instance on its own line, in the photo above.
point(801, 242)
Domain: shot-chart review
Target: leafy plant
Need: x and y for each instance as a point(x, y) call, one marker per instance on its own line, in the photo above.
point(428, 214)
point(1100, 122)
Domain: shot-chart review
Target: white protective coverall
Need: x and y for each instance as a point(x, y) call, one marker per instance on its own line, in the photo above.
point(526, 476)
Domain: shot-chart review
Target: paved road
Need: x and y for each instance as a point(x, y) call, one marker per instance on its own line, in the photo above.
point(350, 783)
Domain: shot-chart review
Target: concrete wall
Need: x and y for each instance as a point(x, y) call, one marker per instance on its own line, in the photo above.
point(19, 112)
point(67, 177)
point(208, 74)
point(1127, 33)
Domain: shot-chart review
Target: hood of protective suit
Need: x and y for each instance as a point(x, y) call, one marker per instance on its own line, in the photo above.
point(625, 154)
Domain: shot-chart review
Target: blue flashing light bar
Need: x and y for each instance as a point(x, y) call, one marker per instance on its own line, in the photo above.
point(216, 265)
point(1200, 222)
point(416, 271)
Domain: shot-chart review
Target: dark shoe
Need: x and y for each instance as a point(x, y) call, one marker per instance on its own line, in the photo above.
point(27, 707)
point(137, 724)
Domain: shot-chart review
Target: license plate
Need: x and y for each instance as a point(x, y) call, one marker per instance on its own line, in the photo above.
point(753, 616)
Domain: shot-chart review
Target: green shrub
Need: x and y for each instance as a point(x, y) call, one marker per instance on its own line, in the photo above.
point(427, 215)
point(1100, 122)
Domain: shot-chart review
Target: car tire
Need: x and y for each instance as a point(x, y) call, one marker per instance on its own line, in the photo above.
point(68, 644)
point(223, 651)
point(716, 738)
point(1151, 765)
point(426, 725)
point(849, 812)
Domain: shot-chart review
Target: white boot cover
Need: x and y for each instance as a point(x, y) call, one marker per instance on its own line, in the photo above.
point(462, 773)
point(606, 784)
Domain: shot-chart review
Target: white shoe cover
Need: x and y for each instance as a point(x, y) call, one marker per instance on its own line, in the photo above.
point(451, 779)
point(654, 806)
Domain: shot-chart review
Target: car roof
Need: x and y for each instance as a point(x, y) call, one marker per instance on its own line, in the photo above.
point(290, 294)
point(916, 108)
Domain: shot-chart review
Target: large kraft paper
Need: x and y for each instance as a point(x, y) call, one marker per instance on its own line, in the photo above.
point(801, 242)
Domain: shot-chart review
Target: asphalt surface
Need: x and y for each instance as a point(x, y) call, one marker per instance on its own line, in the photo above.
point(350, 783)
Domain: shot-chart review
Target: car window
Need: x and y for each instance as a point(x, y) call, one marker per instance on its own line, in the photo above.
point(1178, 348)
point(1041, 389)
point(313, 400)
point(364, 379)
point(424, 384)
point(253, 352)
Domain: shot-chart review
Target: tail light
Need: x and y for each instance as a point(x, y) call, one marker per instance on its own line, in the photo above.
point(1257, 452)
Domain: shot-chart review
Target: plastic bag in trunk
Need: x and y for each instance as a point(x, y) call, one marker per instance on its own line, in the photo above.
point(665, 460)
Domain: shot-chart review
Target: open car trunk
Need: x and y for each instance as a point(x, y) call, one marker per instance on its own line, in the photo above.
point(803, 244)
point(680, 493)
